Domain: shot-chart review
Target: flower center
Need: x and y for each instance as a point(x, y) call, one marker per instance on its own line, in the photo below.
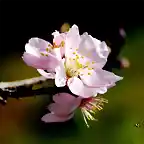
point(75, 64)
point(72, 66)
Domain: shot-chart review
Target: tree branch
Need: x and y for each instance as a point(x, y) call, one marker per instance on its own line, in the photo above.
point(28, 88)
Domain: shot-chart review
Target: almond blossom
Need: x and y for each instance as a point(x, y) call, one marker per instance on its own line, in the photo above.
point(73, 60)
point(65, 105)
point(81, 68)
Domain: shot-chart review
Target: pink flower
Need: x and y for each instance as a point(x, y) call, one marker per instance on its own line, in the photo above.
point(65, 105)
point(63, 108)
point(74, 60)
point(42, 55)
point(84, 59)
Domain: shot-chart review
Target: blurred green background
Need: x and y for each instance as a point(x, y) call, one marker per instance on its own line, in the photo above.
point(20, 120)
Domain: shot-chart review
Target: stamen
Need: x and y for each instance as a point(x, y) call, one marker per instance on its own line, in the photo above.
point(89, 107)
point(89, 73)
point(42, 54)
point(90, 68)
point(62, 44)
point(47, 49)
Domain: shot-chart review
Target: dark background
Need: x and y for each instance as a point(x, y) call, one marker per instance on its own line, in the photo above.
point(21, 23)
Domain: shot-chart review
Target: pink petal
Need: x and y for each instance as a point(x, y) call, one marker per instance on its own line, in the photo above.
point(92, 64)
point(57, 53)
point(111, 85)
point(72, 40)
point(60, 77)
point(58, 37)
point(67, 100)
point(93, 49)
point(109, 77)
point(43, 62)
point(77, 87)
point(32, 50)
point(45, 74)
point(49, 118)
point(60, 110)
point(62, 98)
point(103, 50)
point(91, 78)
point(98, 78)
point(38, 43)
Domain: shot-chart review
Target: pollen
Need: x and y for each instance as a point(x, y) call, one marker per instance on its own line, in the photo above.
point(62, 44)
point(80, 65)
point(49, 45)
point(77, 57)
point(47, 49)
point(89, 73)
point(42, 54)
point(87, 63)
point(74, 53)
point(90, 68)
point(55, 46)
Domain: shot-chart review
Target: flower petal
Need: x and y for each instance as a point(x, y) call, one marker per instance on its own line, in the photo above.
point(68, 100)
point(108, 76)
point(45, 74)
point(60, 110)
point(62, 98)
point(60, 77)
point(38, 43)
point(91, 78)
point(58, 39)
point(58, 53)
point(49, 62)
point(98, 78)
point(111, 85)
point(49, 118)
point(77, 87)
point(32, 50)
point(102, 49)
point(72, 40)
point(93, 49)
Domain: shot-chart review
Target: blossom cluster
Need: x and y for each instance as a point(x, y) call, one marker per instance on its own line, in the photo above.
point(74, 61)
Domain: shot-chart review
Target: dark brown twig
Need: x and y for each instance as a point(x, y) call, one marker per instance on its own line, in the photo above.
point(28, 88)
